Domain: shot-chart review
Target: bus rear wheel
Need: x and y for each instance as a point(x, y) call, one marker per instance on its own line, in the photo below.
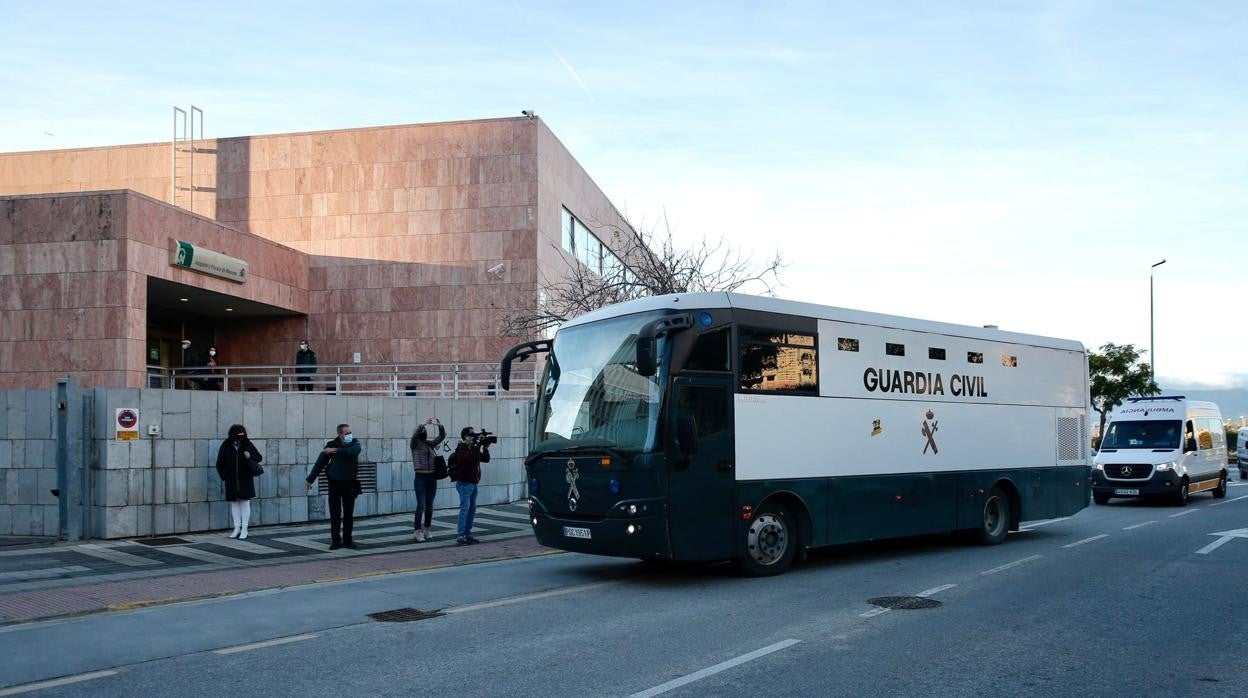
point(1181, 494)
point(770, 542)
point(995, 524)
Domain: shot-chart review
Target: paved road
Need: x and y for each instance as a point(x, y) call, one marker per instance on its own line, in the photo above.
point(1130, 598)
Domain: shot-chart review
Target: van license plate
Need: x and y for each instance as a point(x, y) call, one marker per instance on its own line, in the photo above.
point(1124, 493)
point(573, 532)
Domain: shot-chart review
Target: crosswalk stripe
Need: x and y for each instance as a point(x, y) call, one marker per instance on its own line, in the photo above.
point(114, 555)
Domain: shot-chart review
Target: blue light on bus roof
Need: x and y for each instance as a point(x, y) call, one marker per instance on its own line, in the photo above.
point(704, 318)
point(614, 486)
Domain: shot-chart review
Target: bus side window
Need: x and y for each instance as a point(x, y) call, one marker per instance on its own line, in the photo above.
point(706, 404)
point(710, 352)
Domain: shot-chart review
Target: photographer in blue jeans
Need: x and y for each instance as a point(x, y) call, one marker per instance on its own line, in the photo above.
point(472, 450)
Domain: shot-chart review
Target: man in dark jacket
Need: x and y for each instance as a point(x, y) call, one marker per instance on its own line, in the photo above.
point(340, 460)
point(469, 455)
point(305, 366)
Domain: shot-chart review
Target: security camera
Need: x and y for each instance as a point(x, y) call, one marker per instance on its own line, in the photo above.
point(527, 113)
point(497, 269)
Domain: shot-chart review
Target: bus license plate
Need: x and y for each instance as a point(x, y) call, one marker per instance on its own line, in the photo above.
point(1128, 493)
point(573, 532)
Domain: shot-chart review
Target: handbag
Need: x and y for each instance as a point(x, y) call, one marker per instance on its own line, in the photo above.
point(255, 468)
point(439, 468)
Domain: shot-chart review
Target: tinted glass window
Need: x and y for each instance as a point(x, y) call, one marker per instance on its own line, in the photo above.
point(937, 354)
point(707, 404)
point(974, 357)
point(846, 344)
point(779, 361)
point(710, 352)
point(1009, 361)
point(895, 349)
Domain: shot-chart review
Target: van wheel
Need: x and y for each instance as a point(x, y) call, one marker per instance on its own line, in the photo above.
point(995, 524)
point(770, 542)
point(1243, 474)
point(1220, 491)
point(1180, 497)
point(1100, 498)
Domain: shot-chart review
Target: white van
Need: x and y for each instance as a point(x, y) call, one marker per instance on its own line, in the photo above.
point(1242, 453)
point(1167, 447)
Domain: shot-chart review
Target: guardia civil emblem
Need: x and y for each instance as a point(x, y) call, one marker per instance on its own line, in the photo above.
point(571, 476)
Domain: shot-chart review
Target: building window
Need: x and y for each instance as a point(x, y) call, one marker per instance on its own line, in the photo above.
point(936, 354)
point(1009, 361)
point(582, 244)
point(783, 361)
point(974, 357)
point(846, 344)
point(894, 349)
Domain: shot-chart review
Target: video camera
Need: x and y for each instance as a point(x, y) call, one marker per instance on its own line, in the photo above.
point(483, 438)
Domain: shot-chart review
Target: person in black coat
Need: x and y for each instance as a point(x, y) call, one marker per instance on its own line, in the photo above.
point(234, 464)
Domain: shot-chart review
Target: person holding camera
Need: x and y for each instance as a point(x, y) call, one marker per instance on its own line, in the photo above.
point(424, 454)
point(472, 450)
point(340, 459)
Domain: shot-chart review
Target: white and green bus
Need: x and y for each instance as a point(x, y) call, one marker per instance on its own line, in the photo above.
point(725, 426)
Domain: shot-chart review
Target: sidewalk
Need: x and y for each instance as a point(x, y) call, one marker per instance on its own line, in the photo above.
point(71, 579)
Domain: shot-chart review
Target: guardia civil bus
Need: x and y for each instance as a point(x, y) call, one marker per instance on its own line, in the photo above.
point(722, 426)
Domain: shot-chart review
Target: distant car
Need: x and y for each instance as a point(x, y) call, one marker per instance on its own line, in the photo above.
point(1242, 454)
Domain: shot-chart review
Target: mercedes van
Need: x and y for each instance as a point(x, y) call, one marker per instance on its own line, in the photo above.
point(1166, 447)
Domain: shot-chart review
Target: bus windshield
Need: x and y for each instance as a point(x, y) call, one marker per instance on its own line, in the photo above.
point(592, 395)
point(1143, 434)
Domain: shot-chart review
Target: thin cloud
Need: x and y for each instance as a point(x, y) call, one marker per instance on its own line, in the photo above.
point(571, 71)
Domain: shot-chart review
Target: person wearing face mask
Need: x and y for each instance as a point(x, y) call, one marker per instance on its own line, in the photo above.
point(213, 380)
point(305, 366)
point(340, 460)
point(234, 466)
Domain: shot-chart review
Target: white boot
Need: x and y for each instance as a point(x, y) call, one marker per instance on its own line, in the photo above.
point(244, 515)
point(428, 533)
point(235, 519)
point(420, 535)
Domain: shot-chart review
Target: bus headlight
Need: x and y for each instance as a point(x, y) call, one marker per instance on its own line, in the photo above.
point(632, 528)
point(1098, 467)
point(632, 508)
point(1166, 466)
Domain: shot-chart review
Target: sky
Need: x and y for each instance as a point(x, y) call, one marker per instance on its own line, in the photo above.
point(1019, 164)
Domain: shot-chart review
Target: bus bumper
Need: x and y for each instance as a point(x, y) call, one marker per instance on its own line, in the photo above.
point(646, 539)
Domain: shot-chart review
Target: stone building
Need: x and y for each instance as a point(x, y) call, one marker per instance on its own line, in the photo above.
point(398, 244)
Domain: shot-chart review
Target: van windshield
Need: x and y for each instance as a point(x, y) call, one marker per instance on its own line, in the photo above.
point(1150, 434)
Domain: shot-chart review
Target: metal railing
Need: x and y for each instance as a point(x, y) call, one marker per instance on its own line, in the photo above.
point(446, 380)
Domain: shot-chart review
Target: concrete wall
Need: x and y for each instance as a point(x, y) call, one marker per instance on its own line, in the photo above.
point(167, 484)
point(27, 464)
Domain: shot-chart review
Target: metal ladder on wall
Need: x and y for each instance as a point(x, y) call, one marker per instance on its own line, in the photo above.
point(182, 156)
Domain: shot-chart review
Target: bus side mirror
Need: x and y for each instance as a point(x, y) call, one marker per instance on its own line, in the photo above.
point(687, 434)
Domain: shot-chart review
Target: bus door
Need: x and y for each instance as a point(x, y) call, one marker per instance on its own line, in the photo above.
point(702, 484)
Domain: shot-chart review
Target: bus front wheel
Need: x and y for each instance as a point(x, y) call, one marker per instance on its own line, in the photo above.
point(995, 525)
point(770, 542)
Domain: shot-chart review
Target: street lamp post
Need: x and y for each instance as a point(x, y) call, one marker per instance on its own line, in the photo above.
point(1152, 350)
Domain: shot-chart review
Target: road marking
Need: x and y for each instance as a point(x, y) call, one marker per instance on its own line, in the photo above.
point(207, 556)
point(1038, 524)
point(936, 590)
point(1008, 565)
point(874, 612)
point(1228, 501)
point(1139, 525)
point(1184, 513)
point(112, 555)
point(1086, 540)
point(267, 643)
point(529, 597)
point(63, 681)
point(709, 671)
point(1226, 536)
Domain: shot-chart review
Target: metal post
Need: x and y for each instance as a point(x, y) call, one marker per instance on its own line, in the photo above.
point(173, 155)
point(1152, 351)
point(192, 136)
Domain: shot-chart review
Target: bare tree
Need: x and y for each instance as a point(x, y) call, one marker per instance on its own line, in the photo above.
point(653, 264)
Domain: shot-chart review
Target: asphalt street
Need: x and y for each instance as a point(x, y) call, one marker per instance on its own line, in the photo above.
point(1132, 597)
